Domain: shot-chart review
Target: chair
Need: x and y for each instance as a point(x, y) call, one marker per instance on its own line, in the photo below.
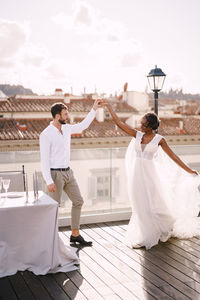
point(18, 180)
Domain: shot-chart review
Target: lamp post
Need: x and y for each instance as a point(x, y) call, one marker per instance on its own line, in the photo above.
point(156, 78)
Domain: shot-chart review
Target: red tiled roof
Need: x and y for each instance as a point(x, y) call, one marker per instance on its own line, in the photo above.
point(189, 109)
point(10, 129)
point(44, 105)
point(171, 126)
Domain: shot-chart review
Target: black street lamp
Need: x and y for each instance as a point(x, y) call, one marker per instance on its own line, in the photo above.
point(156, 78)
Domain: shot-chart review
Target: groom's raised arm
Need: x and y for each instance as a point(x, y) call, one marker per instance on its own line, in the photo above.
point(76, 128)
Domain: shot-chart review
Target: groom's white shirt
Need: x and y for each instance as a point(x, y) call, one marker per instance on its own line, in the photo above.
point(55, 147)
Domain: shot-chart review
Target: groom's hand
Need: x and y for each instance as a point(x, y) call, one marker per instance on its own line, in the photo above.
point(97, 104)
point(52, 188)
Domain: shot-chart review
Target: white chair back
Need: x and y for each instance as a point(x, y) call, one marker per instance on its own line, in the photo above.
point(17, 180)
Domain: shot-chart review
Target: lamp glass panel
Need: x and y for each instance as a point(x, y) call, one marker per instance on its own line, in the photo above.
point(151, 82)
point(156, 82)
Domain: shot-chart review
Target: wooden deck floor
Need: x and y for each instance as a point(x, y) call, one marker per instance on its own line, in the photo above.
point(110, 270)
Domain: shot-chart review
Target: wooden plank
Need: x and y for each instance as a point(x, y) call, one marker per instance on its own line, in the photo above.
point(78, 279)
point(172, 245)
point(115, 285)
point(20, 287)
point(193, 246)
point(161, 252)
point(184, 246)
point(177, 261)
point(186, 255)
point(6, 290)
point(35, 285)
point(195, 240)
point(55, 291)
point(163, 245)
point(170, 279)
point(68, 286)
point(124, 260)
point(111, 270)
point(86, 288)
point(92, 272)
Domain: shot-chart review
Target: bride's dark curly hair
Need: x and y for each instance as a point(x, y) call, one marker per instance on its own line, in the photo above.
point(152, 121)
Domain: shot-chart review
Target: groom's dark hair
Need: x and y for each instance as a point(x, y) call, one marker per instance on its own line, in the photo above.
point(56, 108)
point(152, 121)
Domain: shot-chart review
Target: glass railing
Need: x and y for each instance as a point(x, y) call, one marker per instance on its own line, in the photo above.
point(100, 174)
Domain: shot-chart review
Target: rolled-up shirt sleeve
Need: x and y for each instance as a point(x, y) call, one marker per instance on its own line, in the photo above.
point(76, 128)
point(45, 147)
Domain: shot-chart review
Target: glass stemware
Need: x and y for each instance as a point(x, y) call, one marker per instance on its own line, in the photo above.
point(6, 184)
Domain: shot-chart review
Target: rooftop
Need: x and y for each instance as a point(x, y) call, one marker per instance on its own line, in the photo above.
point(110, 270)
point(189, 109)
point(30, 129)
point(43, 104)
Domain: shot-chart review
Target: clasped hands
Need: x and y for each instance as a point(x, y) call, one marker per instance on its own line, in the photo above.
point(99, 103)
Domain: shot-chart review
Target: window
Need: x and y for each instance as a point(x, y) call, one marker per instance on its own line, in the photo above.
point(103, 184)
point(103, 187)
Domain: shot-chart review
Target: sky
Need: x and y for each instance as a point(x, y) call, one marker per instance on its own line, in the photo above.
point(99, 44)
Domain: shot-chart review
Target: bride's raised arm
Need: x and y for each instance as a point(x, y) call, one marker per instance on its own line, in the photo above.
point(120, 124)
point(175, 158)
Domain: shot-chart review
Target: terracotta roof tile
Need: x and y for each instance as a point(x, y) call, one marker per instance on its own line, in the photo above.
point(189, 109)
point(44, 105)
point(172, 126)
point(10, 129)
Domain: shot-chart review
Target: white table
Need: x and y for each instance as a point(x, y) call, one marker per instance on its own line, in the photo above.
point(29, 238)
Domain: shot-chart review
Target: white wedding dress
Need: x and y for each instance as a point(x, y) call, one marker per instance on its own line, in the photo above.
point(165, 199)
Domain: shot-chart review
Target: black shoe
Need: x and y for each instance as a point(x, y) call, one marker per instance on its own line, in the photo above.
point(79, 239)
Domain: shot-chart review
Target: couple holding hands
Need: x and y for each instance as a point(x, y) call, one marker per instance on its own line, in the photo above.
point(162, 189)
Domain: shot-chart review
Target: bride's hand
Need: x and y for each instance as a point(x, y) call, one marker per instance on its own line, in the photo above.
point(194, 172)
point(104, 102)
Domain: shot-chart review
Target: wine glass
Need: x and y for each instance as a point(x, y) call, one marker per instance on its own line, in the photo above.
point(6, 184)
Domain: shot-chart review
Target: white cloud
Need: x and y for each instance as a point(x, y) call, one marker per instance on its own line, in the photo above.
point(104, 43)
point(95, 51)
point(84, 15)
point(54, 71)
point(16, 48)
point(12, 39)
point(22, 61)
point(83, 19)
point(34, 55)
point(87, 20)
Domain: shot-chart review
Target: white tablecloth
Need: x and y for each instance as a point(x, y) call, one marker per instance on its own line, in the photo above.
point(29, 238)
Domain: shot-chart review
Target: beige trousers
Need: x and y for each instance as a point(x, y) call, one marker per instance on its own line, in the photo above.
point(64, 180)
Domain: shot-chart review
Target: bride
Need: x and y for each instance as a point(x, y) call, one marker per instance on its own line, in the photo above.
point(163, 191)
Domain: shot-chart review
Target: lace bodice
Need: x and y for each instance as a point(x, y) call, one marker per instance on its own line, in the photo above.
point(146, 151)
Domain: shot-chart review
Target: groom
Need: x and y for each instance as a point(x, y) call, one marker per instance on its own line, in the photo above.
point(55, 162)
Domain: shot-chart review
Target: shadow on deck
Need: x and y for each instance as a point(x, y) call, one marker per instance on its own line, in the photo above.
point(110, 270)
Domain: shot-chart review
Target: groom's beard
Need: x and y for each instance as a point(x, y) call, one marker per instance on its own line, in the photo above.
point(62, 122)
